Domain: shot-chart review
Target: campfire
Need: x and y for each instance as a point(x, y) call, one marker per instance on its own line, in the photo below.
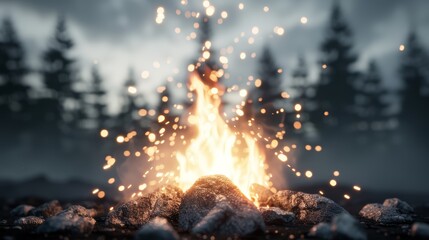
point(217, 149)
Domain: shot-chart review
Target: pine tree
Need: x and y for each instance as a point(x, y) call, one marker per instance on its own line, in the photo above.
point(60, 78)
point(372, 106)
point(127, 117)
point(303, 94)
point(336, 90)
point(98, 93)
point(270, 89)
point(414, 115)
point(14, 97)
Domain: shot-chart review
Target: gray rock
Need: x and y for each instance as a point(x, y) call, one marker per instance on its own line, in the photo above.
point(21, 211)
point(203, 203)
point(401, 206)
point(215, 218)
point(80, 211)
point(67, 222)
point(157, 228)
point(345, 226)
point(321, 231)
point(163, 202)
point(276, 216)
point(420, 230)
point(260, 193)
point(29, 222)
point(384, 215)
point(308, 208)
point(46, 210)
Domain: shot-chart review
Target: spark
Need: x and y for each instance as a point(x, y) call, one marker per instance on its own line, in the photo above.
point(145, 74)
point(304, 20)
point(401, 47)
point(357, 188)
point(333, 182)
point(104, 133)
point(308, 174)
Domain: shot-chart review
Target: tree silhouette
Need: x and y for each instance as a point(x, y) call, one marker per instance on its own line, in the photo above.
point(372, 105)
point(303, 95)
point(271, 81)
point(336, 90)
point(414, 115)
point(98, 94)
point(127, 117)
point(60, 77)
point(14, 98)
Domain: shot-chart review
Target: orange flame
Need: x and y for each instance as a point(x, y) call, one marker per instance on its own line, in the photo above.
point(217, 149)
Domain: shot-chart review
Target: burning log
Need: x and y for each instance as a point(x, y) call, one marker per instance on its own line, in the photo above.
point(163, 202)
point(214, 205)
point(308, 208)
point(391, 211)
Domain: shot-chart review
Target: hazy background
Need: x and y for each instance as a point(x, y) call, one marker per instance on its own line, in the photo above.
point(116, 36)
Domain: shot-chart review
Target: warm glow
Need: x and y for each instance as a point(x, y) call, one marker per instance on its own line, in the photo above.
point(214, 149)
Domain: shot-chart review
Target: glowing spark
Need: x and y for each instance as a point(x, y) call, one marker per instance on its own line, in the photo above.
point(401, 47)
point(333, 183)
point(304, 20)
point(101, 194)
point(104, 133)
point(132, 90)
point(120, 139)
point(336, 173)
point(210, 10)
point(346, 196)
point(282, 157)
point(308, 174)
point(279, 30)
point(243, 93)
point(357, 188)
point(145, 74)
point(298, 107)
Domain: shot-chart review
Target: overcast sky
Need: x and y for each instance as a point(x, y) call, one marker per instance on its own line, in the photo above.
point(122, 34)
point(119, 34)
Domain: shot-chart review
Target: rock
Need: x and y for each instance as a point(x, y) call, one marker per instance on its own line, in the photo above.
point(276, 216)
point(67, 222)
point(321, 231)
point(345, 226)
point(157, 228)
point(215, 217)
point(46, 210)
point(215, 199)
point(260, 193)
point(21, 211)
point(420, 230)
point(80, 211)
point(29, 222)
point(308, 208)
point(401, 206)
point(163, 202)
point(383, 214)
